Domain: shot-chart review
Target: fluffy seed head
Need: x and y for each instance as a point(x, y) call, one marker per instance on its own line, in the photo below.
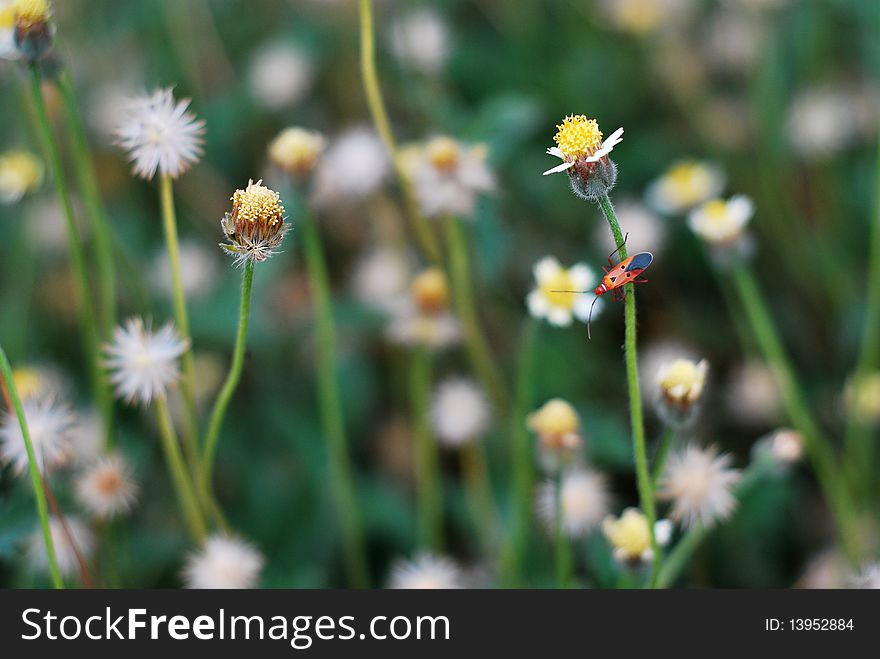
point(460, 412)
point(106, 489)
point(50, 427)
point(143, 363)
point(65, 551)
point(426, 571)
point(583, 502)
point(223, 562)
point(255, 227)
point(160, 135)
point(699, 482)
point(295, 150)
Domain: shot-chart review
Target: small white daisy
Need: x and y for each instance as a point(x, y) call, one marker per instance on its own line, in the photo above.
point(579, 144)
point(447, 176)
point(50, 425)
point(106, 489)
point(420, 40)
point(687, 183)
point(65, 552)
point(699, 482)
point(352, 168)
point(721, 223)
point(224, 562)
point(160, 135)
point(584, 502)
point(460, 412)
point(143, 363)
point(561, 294)
point(426, 572)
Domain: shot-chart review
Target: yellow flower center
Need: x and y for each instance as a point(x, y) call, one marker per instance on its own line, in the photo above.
point(556, 418)
point(295, 150)
point(682, 381)
point(578, 136)
point(20, 169)
point(7, 17)
point(430, 292)
point(553, 288)
point(257, 203)
point(108, 482)
point(629, 534)
point(28, 382)
point(443, 153)
point(30, 12)
point(716, 211)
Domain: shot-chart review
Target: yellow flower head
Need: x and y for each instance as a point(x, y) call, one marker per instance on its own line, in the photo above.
point(686, 184)
point(629, 535)
point(721, 223)
point(443, 153)
point(682, 381)
point(556, 423)
point(29, 13)
point(296, 150)
point(430, 292)
point(255, 227)
point(20, 172)
point(863, 398)
point(578, 136)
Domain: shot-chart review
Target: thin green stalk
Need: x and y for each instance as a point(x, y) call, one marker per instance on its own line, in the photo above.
point(564, 560)
point(666, 442)
point(430, 502)
point(817, 446)
point(212, 435)
point(522, 461)
point(180, 477)
point(332, 417)
point(423, 234)
point(481, 358)
point(169, 225)
point(479, 493)
point(88, 323)
point(88, 186)
point(643, 476)
point(36, 478)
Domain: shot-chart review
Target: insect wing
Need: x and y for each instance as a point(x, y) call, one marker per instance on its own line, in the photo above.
point(639, 262)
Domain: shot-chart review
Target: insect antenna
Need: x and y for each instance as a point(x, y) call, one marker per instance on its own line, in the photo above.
point(625, 238)
point(590, 318)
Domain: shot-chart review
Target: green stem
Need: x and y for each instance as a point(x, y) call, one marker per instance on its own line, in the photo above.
point(218, 412)
point(88, 323)
point(422, 231)
point(332, 417)
point(88, 185)
point(481, 358)
point(666, 442)
point(430, 502)
point(643, 476)
point(180, 477)
point(479, 493)
point(564, 561)
point(169, 225)
point(36, 478)
point(522, 462)
point(818, 448)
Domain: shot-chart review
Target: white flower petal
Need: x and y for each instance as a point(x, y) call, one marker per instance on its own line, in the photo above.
point(537, 304)
point(547, 268)
point(559, 168)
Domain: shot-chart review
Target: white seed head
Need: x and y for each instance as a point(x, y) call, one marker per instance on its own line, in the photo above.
point(50, 425)
point(224, 562)
point(584, 502)
point(65, 552)
point(426, 572)
point(106, 489)
point(460, 412)
point(699, 482)
point(280, 75)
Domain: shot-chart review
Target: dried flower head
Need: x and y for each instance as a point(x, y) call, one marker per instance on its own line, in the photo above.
point(686, 184)
point(143, 363)
point(447, 176)
point(255, 227)
point(721, 223)
point(106, 489)
point(585, 155)
point(561, 294)
point(699, 482)
point(426, 572)
point(583, 501)
point(160, 135)
point(50, 425)
point(629, 535)
point(83, 540)
point(680, 384)
point(295, 150)
point(223, 562)
point(32, 30)
point(20, 173)
point(460, 412)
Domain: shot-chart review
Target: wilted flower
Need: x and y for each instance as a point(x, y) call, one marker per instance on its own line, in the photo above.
point(686, 184)
point(106, 489)
point(20, 172)
point(561, 293)
point(143, 363)
point(585, 155)
point(279, 75)
point(862, 398)
point(223, 562)
point(460, 412)
point(160, 135)
point(295, 150)
point(352, 168)
point(448, 175)
point(32, 31)
point(50, 424)
point(699, 482)
point(420, 40)
point(65, 551)
point(721, 223)
point(558, 428)
point(680, 385)
point(583, 501)
point(426, 572)
point(255, 227)
point(198, 270)
point(629, 535)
